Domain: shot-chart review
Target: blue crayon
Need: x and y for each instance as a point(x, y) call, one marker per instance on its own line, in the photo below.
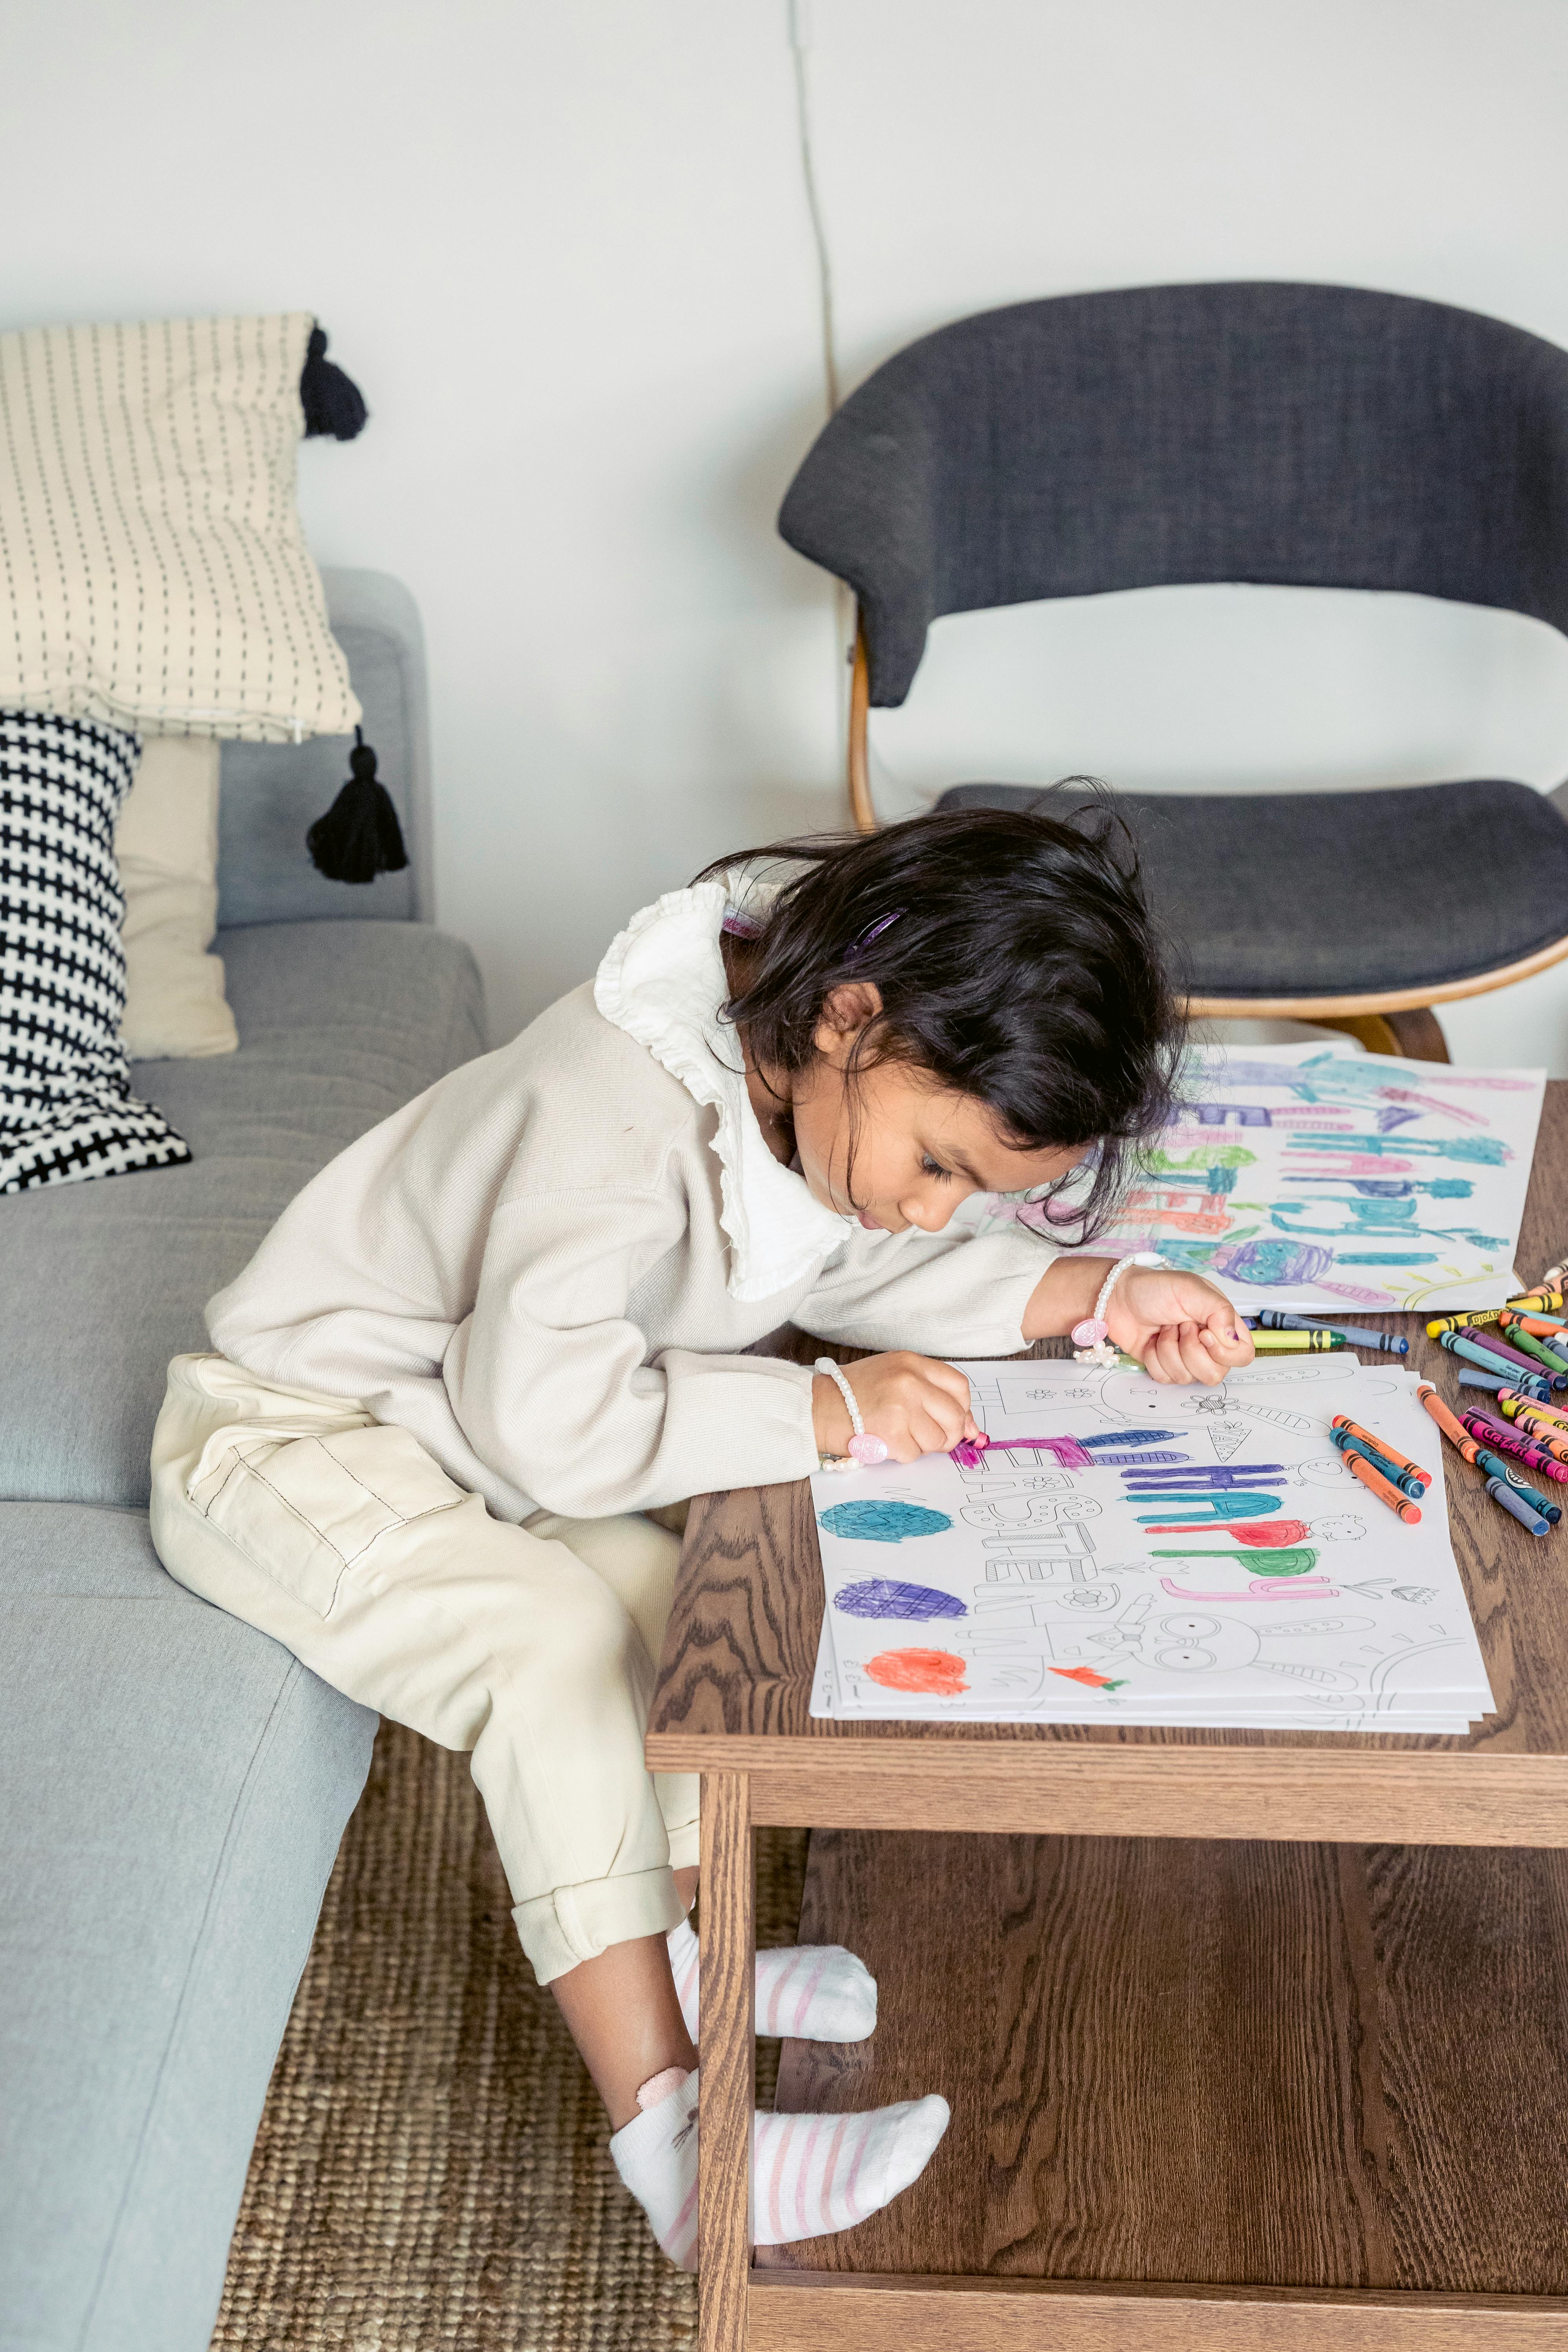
point(1403, 1479)
point(1389, 1342)
point(1514, 1504)
point(1496, 1468)
point(1525, 1382)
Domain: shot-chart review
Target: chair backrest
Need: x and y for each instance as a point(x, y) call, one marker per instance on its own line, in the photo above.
point(271, 793)
point(1309, 436)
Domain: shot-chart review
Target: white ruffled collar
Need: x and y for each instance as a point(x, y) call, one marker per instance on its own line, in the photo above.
point(663, 982)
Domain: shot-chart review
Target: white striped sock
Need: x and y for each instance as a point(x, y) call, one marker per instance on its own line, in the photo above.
point(810, 2174)
point(813, 1992)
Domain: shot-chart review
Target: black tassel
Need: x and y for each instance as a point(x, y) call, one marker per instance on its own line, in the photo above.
point(360, 836)
point(333, 402)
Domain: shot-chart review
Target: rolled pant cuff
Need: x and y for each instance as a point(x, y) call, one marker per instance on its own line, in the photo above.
point(573, 1923)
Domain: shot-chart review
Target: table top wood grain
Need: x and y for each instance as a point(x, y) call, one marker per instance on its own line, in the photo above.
point(735, 1682)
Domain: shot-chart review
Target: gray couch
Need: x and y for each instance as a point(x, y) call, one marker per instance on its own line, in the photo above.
point(173, 1786)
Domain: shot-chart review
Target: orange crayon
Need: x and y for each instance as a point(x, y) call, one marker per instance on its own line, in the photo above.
point(1454, 1430)
point(1376, 1483)
point(1380, 1445)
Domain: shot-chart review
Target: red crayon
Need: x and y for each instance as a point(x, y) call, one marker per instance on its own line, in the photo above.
point(1505, 1440)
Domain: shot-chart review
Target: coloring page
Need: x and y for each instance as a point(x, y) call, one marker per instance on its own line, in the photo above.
point(1125, 1550)
point(1312, 1176)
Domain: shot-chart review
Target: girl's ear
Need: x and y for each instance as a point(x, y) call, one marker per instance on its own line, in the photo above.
point(845, 1011)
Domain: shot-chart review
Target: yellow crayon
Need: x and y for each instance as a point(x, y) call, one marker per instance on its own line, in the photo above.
point(1461, 1322)
point(1295, 1343)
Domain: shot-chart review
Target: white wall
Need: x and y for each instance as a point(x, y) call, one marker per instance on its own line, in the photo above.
point(565, 252)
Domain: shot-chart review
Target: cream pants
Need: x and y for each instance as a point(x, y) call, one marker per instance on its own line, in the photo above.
point(531, 1649)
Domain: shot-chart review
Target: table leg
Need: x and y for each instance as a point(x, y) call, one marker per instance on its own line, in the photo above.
point(728, 2077)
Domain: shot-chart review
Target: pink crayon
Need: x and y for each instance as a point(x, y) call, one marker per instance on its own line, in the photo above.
point(1505, 1439)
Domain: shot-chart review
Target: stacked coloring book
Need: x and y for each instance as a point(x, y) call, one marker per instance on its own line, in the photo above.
point(1126, 1551)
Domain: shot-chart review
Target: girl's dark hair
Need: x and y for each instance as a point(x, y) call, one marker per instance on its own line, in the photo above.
point(1024, 970)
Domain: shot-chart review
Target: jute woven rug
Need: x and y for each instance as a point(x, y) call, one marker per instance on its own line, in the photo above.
point(432, 2173)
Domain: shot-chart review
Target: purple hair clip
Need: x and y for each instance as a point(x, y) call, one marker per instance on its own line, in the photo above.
point(857, 947)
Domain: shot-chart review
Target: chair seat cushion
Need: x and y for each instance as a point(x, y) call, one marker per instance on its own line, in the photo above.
point(1334, 894)
point(340, 1024)
point(175, 1788)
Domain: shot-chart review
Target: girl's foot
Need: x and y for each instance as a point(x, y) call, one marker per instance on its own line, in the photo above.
point(813, 1992)
point(810, 2174)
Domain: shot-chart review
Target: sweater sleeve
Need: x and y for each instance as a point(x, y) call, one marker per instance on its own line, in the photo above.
point(547, 1381)
point(955, 1293)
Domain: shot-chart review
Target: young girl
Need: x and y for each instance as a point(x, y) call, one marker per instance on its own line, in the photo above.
point(514, 1317)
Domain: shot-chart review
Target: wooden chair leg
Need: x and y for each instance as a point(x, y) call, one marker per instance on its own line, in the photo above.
point(1414, 1033)
point(727, 2077)
point(1420, 1034)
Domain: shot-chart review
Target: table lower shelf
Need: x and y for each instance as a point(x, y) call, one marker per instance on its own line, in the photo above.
point(1335, 2074)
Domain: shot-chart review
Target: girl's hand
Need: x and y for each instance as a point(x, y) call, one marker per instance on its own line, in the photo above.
point(913, 1403)
point(1179, 1326)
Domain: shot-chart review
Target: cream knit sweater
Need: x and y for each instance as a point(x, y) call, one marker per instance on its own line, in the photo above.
point(548, 1264)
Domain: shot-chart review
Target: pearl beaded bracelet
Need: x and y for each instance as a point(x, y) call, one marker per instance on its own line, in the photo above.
point(1091, 1338)
point(864, 1449)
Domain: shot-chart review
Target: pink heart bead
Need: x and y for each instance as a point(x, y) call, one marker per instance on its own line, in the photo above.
point(868, 1449)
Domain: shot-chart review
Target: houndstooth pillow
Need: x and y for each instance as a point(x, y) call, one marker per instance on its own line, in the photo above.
point(67, 1111)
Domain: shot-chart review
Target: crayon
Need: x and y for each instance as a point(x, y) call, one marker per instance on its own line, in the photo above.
point(1508, 1441)
point(1550, 1435)
point(1552, 1299)
point(1391, 1343)
point(1366, 1476)
point(1555, 1274)
point(1526, 1384)
point(1509, 1353)
point(1544, 1411)
point(1551, 1327)
point(1474, 1354)
point(1512, 1327)
point(1518, 1507)
point(1379, 1445)
point(1296, 1343)
point(1462, 1322)
point(1496, 1468)
point(1454, 1430)
point(1490, 1353)
point(1403, 1479)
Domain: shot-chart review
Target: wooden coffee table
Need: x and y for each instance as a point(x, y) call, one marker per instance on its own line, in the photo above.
point(1251, 2038)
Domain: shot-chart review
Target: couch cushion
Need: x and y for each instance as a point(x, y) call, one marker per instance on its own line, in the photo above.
point(176, 1789)
point(339, 1023)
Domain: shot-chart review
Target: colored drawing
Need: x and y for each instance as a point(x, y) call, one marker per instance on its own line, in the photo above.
point(935, 1673)
point(881, 1596)
point(1088, 1677)
point(875, 1521)
point(1388, 1182)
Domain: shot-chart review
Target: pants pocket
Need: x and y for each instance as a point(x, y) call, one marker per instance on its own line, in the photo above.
point(303, 1509)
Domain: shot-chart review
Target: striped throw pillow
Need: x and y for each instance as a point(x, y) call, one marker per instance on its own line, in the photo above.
point(154, 575)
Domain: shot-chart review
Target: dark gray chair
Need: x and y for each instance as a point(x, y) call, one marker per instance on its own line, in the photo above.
point(1314, 435)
